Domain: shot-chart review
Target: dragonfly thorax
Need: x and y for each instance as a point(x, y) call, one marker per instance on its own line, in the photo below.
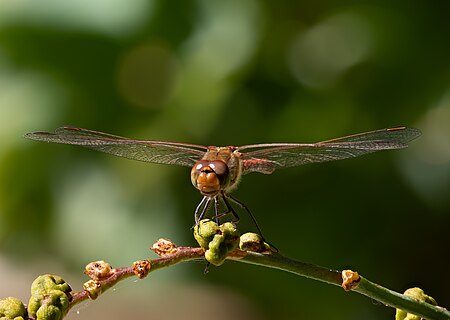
point(210, 177)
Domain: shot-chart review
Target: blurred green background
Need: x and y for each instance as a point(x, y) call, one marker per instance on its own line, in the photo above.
point(225, 73)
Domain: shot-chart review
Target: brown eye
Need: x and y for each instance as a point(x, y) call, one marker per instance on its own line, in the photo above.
point(200, 165)
point(197, 170)
point(219, 167)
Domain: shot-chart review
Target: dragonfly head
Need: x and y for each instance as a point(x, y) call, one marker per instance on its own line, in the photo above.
point(210, 177)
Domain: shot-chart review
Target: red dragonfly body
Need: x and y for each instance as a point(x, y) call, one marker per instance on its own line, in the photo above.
point(216, 171)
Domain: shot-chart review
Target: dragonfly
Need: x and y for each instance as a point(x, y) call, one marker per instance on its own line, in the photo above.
point(217, 171)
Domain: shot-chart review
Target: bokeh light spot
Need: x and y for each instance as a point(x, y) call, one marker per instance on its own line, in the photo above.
point(427, 165)
point(146, 75)
point(112, 17)
point(224, 41)
point(323, 52)
point(27, 100)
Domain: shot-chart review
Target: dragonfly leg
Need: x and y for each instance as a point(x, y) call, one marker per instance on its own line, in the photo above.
point(217, 215)
point(207, 268)
point(230, 209)
point(201, 209)
point(243, 206)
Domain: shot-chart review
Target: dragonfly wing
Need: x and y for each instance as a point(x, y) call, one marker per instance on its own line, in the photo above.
point(142, 150)
point(268, 157)
point(390, 138)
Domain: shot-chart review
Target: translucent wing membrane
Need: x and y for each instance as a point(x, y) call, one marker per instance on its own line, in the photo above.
point(143, 150)
point(265, 158)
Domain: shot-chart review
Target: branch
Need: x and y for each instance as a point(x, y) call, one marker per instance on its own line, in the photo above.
point(52, 297)
point(349, 280)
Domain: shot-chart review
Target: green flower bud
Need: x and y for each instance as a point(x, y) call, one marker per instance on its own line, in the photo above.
point(52, 305)
point(204, 232)
point(231, 235)
point(251, 242)
point(216, 253)
point(228, 229)
point(49, 282)
point(218, 240)
point(11, 309)
point(418, 294)
point(49, 298)
point(48, 312)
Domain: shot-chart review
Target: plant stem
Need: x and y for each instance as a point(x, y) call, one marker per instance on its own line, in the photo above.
point(171, 255)
point(365, 287)
point(278, 261)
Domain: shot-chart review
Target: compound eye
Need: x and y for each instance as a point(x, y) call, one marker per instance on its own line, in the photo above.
point(197, 171)
point(200, 165)
point(220, 168)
